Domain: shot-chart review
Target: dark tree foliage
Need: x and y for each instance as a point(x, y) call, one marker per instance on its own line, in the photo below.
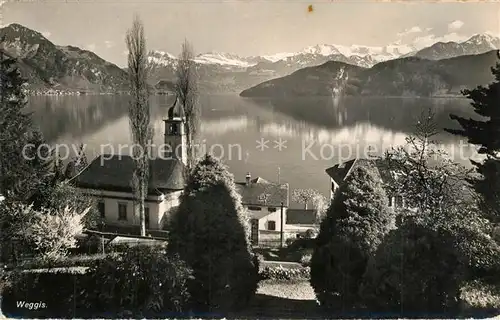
point(486, 134)
point(210, 231)
point(416, 272)
point(420, 268)
point(355, 223)
point(15, 125)
point(141, 281)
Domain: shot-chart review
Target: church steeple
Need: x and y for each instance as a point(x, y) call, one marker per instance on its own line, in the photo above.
point(175, 137)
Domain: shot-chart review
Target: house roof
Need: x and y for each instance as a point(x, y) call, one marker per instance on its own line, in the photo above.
point(300, 216)
point(114, 173)
point(340, 171)
point(263, 193)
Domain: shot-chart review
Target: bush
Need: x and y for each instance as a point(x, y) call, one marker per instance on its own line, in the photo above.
point(282, 274)
point(47, 294)
point(355, 223)
point(481, 297)
point(144, 281)
point(416, 271)
point(211, 232)
point(305, 260)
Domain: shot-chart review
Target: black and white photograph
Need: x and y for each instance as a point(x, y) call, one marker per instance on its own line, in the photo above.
point(249, 159)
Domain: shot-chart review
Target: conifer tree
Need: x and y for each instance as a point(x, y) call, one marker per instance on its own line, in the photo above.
point(486, 134)
point(210, 231)
point(355, 224)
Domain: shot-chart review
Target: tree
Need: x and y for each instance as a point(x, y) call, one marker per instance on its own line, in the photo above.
point(425, 175)
point(320, 204)
point(186, 88)
point(15, 124)
point(486, 134)
point(355, 224)
point(139, 116)
point(305, 196)
point(211, 232)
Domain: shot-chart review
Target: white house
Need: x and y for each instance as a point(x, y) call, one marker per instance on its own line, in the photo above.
point(266, 202)
point(108, 178)
point(339, 172)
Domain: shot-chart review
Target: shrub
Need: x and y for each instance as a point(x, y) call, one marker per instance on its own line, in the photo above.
point(143, 281)
point(305, 260)
point(482, 297)
point(211, 232)
point(282, 274)
point(416, 271)
point(49, 234)
point(47, 294)
point(355, 223)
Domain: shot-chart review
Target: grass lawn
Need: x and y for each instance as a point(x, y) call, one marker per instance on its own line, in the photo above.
point(280, 300)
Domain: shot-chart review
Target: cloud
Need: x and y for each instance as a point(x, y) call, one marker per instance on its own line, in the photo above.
point(455, 25)
point(109, 44)
point(90, 47)
point(46, 34)
point(411, 30)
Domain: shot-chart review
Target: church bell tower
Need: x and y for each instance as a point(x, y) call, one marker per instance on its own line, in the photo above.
point(175, 135)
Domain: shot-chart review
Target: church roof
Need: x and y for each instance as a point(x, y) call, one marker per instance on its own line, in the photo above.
point(114, 173)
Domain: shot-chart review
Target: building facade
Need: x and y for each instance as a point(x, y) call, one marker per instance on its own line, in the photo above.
point(339, 172)
point(108, 180)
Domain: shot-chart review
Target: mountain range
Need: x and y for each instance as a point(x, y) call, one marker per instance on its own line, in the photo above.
point(51, 66)
point(409, 76)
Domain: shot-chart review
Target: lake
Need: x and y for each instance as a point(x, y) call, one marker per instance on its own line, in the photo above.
point(315, 133)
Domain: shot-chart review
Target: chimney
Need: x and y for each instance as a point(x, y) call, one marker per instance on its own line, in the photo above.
point(248, 177)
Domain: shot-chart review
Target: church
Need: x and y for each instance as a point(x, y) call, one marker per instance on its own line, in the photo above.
point(108, 179)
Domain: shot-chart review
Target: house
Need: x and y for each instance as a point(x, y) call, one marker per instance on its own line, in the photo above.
point(298, 221)
point(339, 172)
point(266, 202)
point(108, 179)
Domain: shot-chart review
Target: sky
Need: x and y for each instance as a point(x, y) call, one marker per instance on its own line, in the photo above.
point(251, 27)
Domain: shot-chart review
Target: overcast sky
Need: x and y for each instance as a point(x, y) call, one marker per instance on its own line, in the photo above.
point(250, 27)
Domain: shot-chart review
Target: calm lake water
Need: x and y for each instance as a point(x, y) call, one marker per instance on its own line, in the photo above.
point(331, 130)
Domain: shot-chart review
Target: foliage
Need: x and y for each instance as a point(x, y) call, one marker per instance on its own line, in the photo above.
point(355, 224)
point(139, 116)
point(486, 134)
point(421, 266)
point(426, 176)
point(62, 195)
point(211, 232)
point(143, 279)
point(186, 89)
point(45, 294)
point(305, 196)
point(279, 273)
point(416, 271)
point(49, 234)
point(477, 295)
point(305, 260)
point(15, 127)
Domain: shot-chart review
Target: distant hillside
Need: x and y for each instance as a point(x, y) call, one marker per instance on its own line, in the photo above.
point(68, 68)
point(477, 44)
point(409, 76)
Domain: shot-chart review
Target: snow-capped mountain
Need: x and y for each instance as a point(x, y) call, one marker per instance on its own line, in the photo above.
point(477, 44)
